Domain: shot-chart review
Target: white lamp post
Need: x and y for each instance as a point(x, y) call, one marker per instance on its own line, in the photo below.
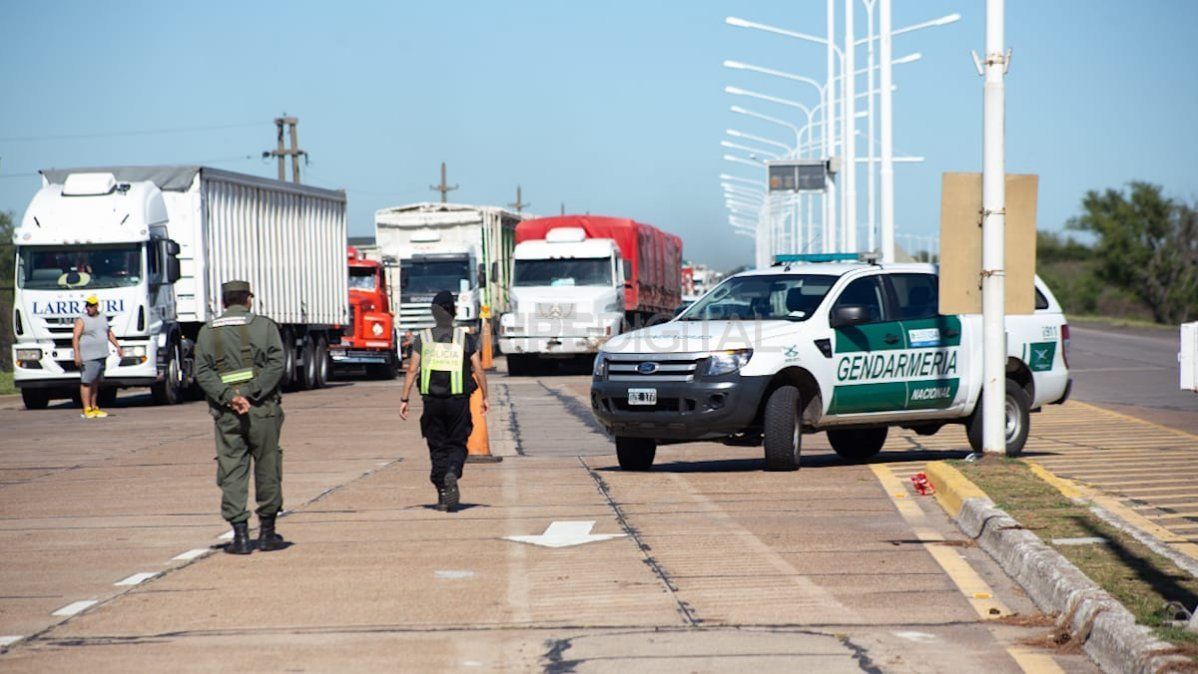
point(758, 139)
point(753, 151)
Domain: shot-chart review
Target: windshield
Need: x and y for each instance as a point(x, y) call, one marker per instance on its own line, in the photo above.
point(432, 276)
point(59, 267)
point(564, 272)
point(781, 297)
point(361, 278)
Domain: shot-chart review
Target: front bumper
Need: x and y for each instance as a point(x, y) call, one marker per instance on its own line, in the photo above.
point(705, 408)
point(361, 356)
point(550, 346)
point(56, 367)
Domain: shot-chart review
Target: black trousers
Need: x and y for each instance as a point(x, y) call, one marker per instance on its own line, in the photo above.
point(446, 425)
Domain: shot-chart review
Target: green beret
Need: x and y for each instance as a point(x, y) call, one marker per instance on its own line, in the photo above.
point(235, 286)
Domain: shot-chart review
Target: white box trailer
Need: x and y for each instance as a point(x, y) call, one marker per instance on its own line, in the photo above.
point(179, 232)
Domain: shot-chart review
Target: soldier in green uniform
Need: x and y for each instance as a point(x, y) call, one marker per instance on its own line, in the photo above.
point(239, 364)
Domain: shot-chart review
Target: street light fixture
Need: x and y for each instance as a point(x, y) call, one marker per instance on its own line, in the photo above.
point(751, 150)
point(728, 176)
point(741, 160)
point(766, 118)
point(758, 139)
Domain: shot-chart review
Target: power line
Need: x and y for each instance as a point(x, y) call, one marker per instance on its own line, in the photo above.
point(119, 134)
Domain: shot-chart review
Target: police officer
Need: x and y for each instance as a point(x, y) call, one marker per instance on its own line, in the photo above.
point(445, 357)
point(239, 364)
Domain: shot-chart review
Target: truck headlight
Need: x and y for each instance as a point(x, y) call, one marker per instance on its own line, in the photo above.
point(133, 352)
point(600, 368)
point(377, 329)
point(29, 354)
point(727, 362)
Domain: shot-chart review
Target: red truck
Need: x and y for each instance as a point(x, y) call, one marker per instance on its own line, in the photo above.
point(369, 340)
point(579, 280)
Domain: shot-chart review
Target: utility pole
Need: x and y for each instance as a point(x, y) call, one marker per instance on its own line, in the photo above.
point(444, 187)
point(886, 173)
point(994, 347)
point(849, 130)
point(563, 208)
point(519, 205)
point(281, 152)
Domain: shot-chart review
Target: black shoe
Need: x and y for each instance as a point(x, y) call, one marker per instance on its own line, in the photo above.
point(268, 540)
point(240, 545)
point(450, 494)
point(440, 500)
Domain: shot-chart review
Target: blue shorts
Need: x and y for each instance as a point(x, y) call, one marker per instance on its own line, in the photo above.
point(92, 371)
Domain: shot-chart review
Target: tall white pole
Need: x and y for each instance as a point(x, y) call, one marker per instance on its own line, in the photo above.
point(994, 348)
point(871, 220)
point(887, 132)
point(830, 228)
point(848, 72)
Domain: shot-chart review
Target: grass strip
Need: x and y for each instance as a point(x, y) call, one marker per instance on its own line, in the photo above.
point(1140, 579)
point(6, 385)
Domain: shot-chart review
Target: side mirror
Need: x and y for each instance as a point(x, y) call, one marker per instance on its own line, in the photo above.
point(679, 310)
point(847, 315)
point(627, 272)
point(482, 275)
point(172, 247)
point(173, 270)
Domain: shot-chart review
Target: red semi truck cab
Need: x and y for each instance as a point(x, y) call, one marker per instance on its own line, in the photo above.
point(369, 339)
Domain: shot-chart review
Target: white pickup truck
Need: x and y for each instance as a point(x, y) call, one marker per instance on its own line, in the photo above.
point(847, 348)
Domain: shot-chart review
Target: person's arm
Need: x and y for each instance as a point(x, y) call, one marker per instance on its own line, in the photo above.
point(480, 375)
point(408, 380)
point(75, 341)
point(112, 339)
point(268, 379)
point(205, 370)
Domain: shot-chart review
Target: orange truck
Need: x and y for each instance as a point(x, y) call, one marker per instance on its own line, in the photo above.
point(370, 338)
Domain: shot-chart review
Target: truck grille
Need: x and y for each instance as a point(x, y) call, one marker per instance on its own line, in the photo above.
point(647, 369)
point(555, 310)
point(416, 316)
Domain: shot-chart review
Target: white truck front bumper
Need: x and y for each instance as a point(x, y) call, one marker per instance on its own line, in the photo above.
point(55, 366)
point(524, 335)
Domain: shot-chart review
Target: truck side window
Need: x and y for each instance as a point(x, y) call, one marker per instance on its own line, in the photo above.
point(917, 295)
point(866, 292)
point(1041, 301)
point(153, 252)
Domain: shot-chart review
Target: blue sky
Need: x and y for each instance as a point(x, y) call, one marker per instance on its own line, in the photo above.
point(614, 107)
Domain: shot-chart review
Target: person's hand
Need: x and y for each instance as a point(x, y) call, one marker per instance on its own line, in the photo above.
point(486, 406)
point(78, 360)
point(240, 404)
point(403, 411)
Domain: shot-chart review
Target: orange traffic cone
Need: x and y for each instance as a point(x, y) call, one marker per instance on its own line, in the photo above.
point(478, 446)
point(488, 355)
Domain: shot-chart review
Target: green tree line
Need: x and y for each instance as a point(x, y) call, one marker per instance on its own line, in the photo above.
point(8, 260)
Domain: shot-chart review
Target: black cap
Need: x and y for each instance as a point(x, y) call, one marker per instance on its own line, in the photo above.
point(444, 299)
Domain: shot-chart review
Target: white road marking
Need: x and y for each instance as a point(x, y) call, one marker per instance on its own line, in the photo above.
point(136, 579)
point(564, 535)
point(75, 607)
point(227, 536)
point(1085, 540)
point(191, 554)
point(922, 637)
point(453, 575)
point(10, 639)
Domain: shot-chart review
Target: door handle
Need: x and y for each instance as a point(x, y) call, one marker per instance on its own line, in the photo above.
point(891, 339)
point(952, 333)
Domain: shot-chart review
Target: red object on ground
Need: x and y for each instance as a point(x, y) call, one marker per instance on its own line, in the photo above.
point(655, 283)
point(922, 485)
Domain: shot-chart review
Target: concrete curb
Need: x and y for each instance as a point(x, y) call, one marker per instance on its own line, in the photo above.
point(1109, 632)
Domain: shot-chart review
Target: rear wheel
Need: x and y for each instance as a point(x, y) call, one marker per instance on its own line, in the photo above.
point(636, 453)
point(517, 365)
point(783, 430)
point(1017, 421)
point(320, 355)
point(858, 444)
point(307, 375)
point(35, 398)
point(288, 340)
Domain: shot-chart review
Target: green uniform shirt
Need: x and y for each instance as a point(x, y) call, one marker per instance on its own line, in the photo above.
point(267, 355)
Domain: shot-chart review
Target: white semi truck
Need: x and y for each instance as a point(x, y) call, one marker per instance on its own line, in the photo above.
point(466, 250)
point(154, 244)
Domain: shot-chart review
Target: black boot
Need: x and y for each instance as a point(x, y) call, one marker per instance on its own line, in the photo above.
point(268, 539)
point(440, 500)
point(450, 495)
point(240, 545)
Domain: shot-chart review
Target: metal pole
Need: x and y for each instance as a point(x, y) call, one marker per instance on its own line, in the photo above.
point(830, 132)
point(849, 131)
point(295, 173)
point(281, 153)
point(887, 132)
point(994, 348)
point(871, 220)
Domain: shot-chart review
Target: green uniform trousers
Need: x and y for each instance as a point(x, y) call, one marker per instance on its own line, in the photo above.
point(239, 439)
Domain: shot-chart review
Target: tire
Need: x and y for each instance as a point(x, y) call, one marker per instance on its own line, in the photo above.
point(106, 396)
point(517, 365)
point(35, 398)
point(1018, 421)
point(783, 432)
point(858, 444)
point(307, 365)
point(320, 360)
point(636, 454)
point(170, 390)
point(288, 357)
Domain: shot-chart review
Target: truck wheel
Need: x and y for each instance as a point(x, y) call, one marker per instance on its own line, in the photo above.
point(1018, 421)
point(858, 444)
point(783, 431)
point(517, 365)
point(288, 358)
point(636, 453)
point(307, 375)
point(320, 357)
point(35, 398)
point(106, 396)
point(170, 390)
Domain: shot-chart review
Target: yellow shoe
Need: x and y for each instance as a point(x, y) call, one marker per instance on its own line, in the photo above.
point(86, 413)
point(98, 413)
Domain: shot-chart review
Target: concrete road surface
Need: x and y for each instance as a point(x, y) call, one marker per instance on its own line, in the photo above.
point(109, 533)
point(1132, 370)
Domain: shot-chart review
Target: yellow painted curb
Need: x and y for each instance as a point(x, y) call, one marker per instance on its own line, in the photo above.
point(952, 488)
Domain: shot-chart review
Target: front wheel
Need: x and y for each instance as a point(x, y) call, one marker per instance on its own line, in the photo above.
point(321, 356)
point(858, 444)
point(1017, 421)
point(636, 453)
point(783, 430)
point(307, 379)
point(35, 398)
point(169, 391)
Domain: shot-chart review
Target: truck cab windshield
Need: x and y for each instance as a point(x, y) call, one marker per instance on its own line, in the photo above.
point(431, 276)
point(781, 297)
point(569, 271)
point(362, 278)
point(60, 267)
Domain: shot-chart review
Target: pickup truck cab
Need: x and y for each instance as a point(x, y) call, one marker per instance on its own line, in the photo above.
point(849, 348)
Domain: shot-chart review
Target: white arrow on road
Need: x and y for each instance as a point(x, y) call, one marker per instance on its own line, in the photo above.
point(565, 534)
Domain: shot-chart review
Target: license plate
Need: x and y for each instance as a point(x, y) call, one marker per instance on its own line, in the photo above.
point(642, 396)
